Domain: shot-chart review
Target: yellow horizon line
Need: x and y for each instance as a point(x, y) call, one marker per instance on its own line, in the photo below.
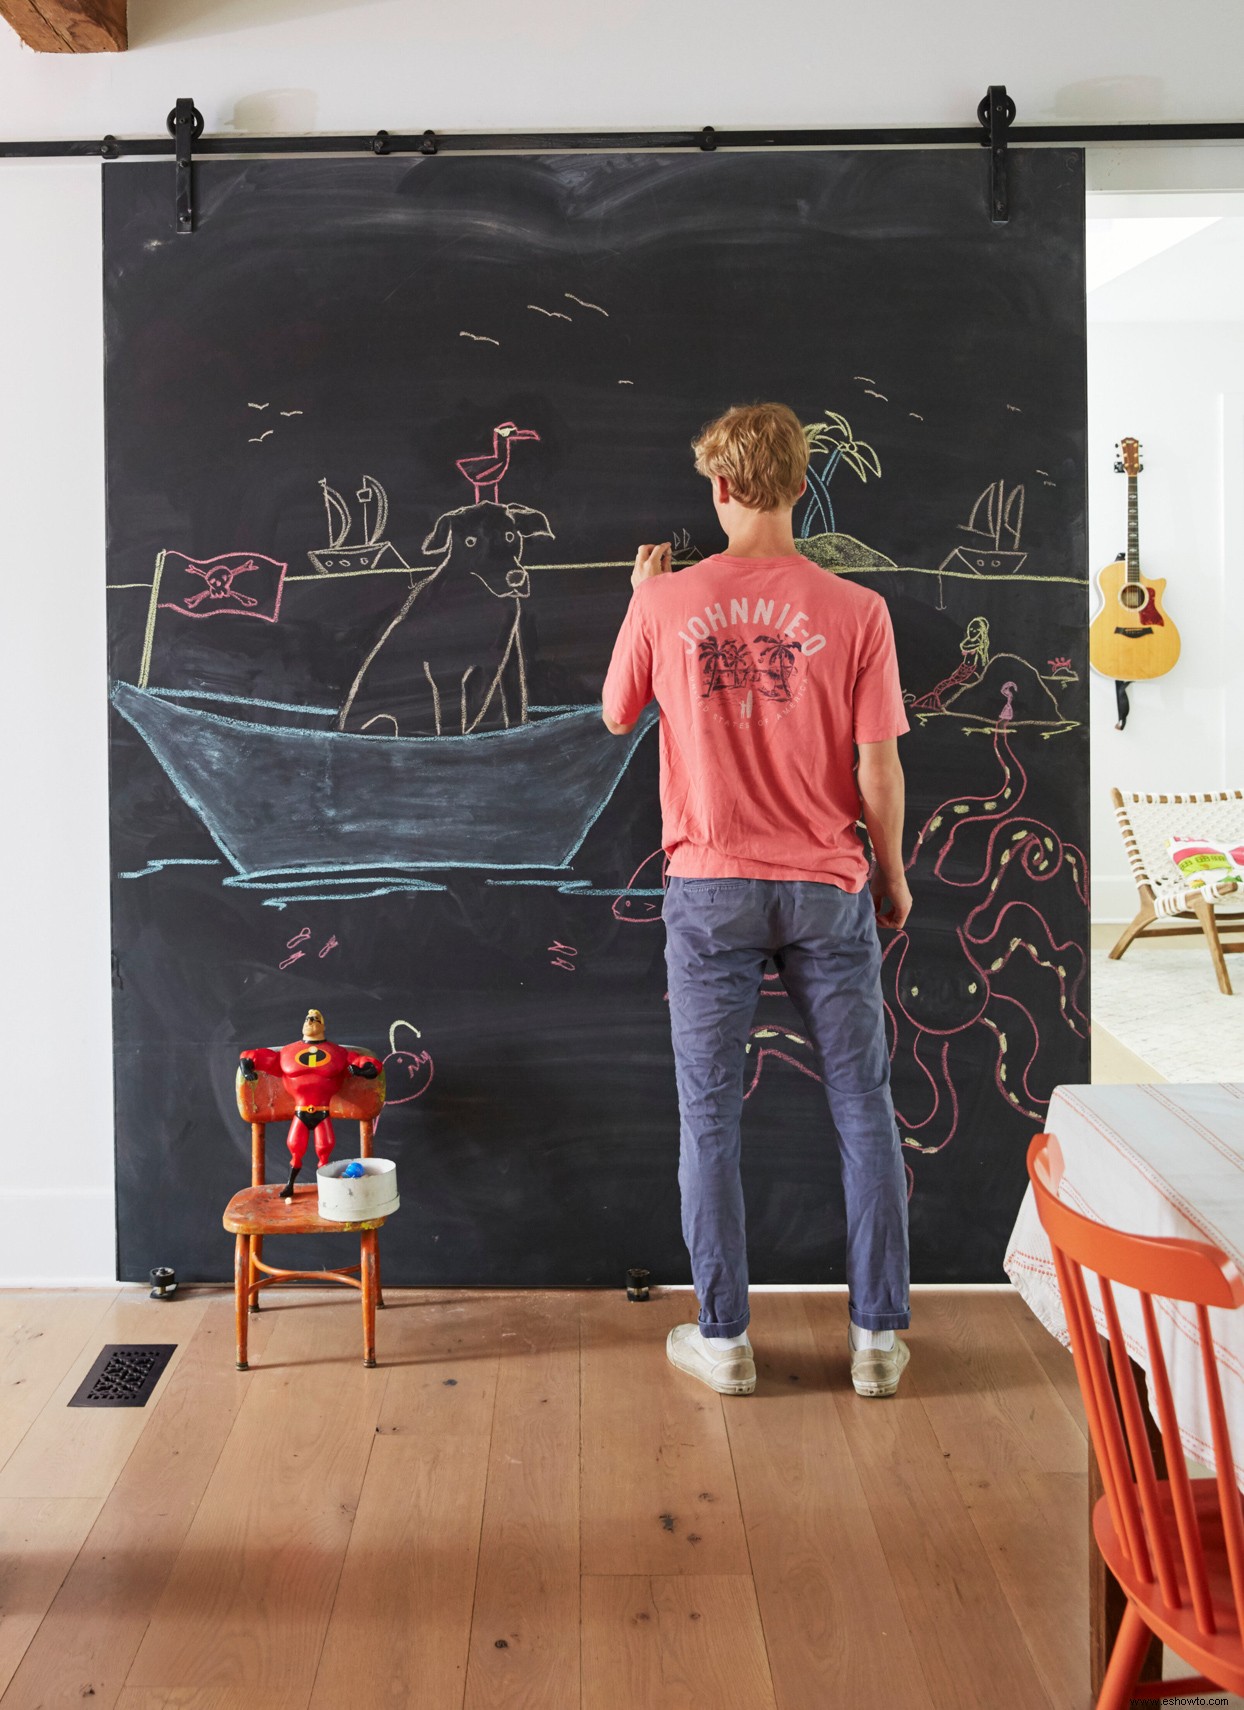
point(625, 564)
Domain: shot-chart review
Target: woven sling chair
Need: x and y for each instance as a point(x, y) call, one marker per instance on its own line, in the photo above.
point(1165, 896)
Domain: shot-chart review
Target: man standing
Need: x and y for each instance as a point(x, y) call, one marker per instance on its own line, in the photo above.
point(772, 676)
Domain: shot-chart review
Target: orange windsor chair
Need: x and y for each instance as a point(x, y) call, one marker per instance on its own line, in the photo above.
point(259, 1210)
point(1176, 1545)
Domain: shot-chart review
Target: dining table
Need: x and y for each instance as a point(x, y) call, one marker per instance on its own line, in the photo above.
point(1154, 1159)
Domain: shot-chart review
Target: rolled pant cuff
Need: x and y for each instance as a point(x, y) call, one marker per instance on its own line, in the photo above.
point(735, 1327)
point(880, 1320)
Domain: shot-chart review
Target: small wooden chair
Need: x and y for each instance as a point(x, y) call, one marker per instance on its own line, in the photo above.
point(1146, 822)
point(259, 1209)
point(1175, 1544)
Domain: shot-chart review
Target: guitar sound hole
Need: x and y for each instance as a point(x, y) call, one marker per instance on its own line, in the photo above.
point(1132, 597)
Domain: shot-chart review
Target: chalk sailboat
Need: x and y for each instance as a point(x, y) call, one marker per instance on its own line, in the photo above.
point(1003, 518)
point(289, 798)
point(373, 552)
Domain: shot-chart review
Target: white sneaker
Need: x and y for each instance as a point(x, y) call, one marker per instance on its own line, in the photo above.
point(876, 1371)
point(730, 1371)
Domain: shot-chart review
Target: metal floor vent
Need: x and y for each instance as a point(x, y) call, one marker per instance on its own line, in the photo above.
point(124, 1375)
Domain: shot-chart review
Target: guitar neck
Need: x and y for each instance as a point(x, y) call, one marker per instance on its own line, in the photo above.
point(1133, 532)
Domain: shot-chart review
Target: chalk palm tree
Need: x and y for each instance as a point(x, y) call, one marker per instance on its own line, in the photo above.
point(833, 440)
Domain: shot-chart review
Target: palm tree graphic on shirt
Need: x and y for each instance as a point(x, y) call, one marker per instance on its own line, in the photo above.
point(778, 662)
point(729, 664)
point(726, 664)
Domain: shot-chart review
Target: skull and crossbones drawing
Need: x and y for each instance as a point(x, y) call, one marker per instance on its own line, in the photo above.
point(220, 579)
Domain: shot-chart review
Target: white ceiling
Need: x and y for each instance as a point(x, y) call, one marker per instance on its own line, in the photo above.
point(1175, 265)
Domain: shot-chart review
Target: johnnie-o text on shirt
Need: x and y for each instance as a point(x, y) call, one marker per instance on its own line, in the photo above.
point(700, 629)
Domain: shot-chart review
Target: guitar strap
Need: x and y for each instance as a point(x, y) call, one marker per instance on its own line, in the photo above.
point(1120, 689)
point(1122, 702)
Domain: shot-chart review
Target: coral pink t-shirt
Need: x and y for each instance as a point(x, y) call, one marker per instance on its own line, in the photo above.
point(768, 671)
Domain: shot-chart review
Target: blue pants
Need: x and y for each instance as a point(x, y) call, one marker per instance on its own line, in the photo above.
point(823, 941)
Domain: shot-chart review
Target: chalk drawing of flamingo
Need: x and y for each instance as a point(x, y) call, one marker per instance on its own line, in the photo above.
point(488, 470)
point(1008, 711)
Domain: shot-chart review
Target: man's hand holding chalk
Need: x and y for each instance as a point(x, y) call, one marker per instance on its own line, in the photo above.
point(651, 561)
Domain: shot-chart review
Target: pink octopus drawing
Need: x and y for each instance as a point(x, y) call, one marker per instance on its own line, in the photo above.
point(941, 984)
point(943, 979)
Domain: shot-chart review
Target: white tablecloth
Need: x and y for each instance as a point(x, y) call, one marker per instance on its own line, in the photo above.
point(1154, 1160)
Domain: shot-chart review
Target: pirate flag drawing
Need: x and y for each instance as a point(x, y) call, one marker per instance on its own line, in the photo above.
point(233, 584)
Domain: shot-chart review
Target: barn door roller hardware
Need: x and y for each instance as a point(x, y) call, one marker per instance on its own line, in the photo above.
point(382, 142)
point(996, 114)
point(994, 129)
point(185, 126)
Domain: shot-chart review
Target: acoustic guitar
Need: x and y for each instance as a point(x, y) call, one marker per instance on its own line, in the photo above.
point(1131, 639)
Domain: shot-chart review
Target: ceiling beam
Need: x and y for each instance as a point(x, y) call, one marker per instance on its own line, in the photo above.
point(68, 26)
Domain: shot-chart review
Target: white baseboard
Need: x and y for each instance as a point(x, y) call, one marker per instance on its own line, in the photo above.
point(57, 1238)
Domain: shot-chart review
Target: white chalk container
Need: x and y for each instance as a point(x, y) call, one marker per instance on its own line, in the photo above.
point(357, 1200)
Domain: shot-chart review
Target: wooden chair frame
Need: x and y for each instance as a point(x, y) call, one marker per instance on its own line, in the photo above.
point(1174, 1544)
point(1157, 909)
point(251, 1216)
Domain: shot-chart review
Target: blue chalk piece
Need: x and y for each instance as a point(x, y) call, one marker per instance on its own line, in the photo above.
point(353, 1171)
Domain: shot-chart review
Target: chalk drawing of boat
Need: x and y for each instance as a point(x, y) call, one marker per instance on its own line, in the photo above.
point(296, 797)
point(373, 552)
point(1003, 517)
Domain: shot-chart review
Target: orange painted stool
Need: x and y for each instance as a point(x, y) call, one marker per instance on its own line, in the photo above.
point(259, 1209)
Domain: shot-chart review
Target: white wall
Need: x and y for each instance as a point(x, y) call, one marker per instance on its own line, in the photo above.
point(1178, 388)
point(256, 65)
point(358, 64)
point(55, 1152)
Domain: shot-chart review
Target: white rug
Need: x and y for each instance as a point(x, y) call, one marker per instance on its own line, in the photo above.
point(1165, 1006)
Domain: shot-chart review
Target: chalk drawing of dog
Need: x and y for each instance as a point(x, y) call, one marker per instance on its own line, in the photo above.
point(450, 660)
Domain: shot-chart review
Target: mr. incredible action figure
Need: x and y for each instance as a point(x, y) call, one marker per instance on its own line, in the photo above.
point(312, 1069)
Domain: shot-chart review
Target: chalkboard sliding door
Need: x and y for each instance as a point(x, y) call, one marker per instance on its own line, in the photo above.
point(374, 415)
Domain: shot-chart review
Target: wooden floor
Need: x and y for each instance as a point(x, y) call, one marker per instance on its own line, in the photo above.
point(525, 1505)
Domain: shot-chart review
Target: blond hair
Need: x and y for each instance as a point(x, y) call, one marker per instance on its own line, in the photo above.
point(762, 451)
